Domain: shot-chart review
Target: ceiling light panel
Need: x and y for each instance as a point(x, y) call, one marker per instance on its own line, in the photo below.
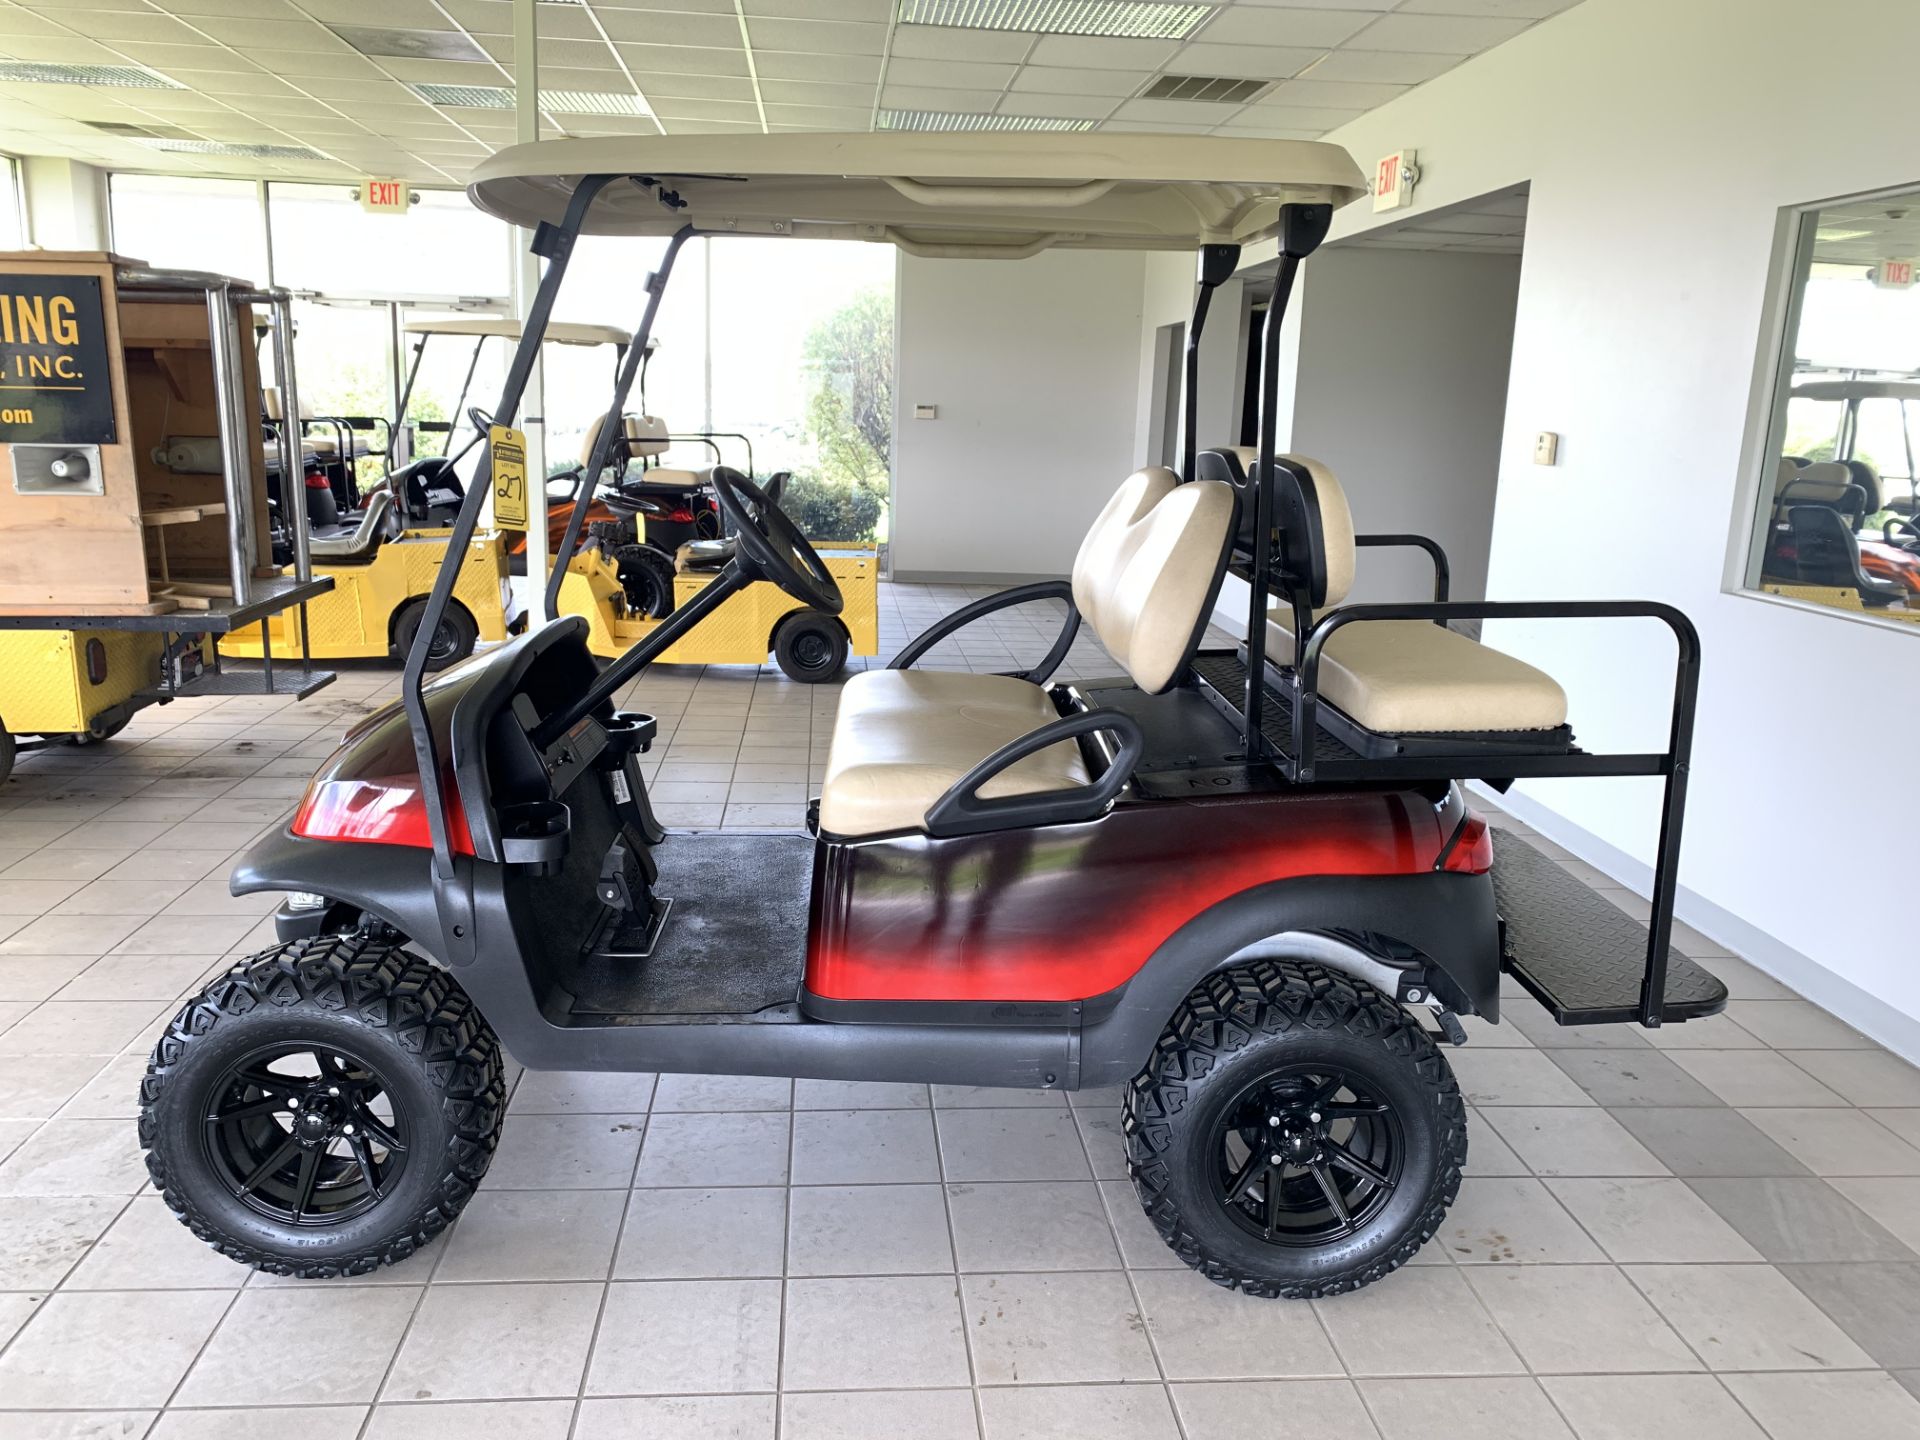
point(1125, 19)
point(129, 77)
point(217, 147)
point(554, 102)
point(410, 44)
point(942, 120)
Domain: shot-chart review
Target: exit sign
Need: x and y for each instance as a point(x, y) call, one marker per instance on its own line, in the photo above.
point(384, 197)
point(1894, 275)
point(1393, 181)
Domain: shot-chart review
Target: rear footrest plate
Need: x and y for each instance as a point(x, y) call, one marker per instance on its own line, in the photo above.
point(1579, 955)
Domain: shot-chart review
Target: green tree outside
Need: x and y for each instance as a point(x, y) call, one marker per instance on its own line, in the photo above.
point(850, 421)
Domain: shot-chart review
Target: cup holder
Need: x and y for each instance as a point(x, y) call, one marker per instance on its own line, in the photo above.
point(631, 730)
point(535, 834)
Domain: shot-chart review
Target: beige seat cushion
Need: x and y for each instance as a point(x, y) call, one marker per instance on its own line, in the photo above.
point(1409, 677)
point(903, 737)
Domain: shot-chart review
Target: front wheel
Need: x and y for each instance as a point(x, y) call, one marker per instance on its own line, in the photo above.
point(1295, 1134)
point(809, 648)
point(325, 1108)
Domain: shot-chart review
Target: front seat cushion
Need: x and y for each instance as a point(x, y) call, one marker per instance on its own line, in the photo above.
point(903, 737)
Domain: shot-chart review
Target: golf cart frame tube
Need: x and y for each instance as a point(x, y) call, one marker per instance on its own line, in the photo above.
point(556, 244)
point(1217, 264)
point(610, 427)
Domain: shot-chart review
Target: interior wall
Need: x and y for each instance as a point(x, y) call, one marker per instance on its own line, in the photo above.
point(65, 203)
point(1168, 300)
point(1401, 389)
point(1033, 365)
point(1641, 335)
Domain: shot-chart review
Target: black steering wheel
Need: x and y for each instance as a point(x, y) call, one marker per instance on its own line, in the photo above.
point(771, 546)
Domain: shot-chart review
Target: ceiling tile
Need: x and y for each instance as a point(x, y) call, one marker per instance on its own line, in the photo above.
point(685, 59)
point(1266, 132)
point(1299, 117)
point(714, 87)
point(1153, 127)
point(442, 72)
point(681, 108)
point(1183, 112)
point(1513, 9)
point(320, 67)
point(289, 35)
point(232, 82)
point(709, 127)
point(948, 75)
point(816, 37)
point(1276, 25)
point(255, 9)
point(1377, 6)
point(130, 25)
point(806, 92)
point(290, 108)
point(946, 42)
point(822, 117)
point(1335, 94)
point(1050, 80)
point(392, 14)
point(168, 58)
point(1064, 107)
point(381, 45)
point(348, 94)
point(61, 50)
point(714, 7)
point(1438, 34)
point(1382, 67)
point(1102, 52)
point(655, 28)
point(577, 54)
point(849, 69)
point(560, 77)
point(874, 11)
point(1250, 62)
point(962, 102)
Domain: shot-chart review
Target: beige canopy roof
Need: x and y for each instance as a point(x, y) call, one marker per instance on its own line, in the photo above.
point(1858, 390)
point(948, 195)
point(558, 332)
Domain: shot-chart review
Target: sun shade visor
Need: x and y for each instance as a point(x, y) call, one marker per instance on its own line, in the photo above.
point(937, 195)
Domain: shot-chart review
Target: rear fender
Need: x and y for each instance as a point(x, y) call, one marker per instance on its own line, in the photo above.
point(1449, 919)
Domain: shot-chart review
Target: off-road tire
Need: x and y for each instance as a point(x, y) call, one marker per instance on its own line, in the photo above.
point(351, 990)
point(646, 576)
point(1271, 1013)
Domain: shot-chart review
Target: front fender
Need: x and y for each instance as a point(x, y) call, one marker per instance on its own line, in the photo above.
point(391, 882)
point(1451, 919)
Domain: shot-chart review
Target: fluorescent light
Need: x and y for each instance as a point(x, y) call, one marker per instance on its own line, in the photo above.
point(130, 77)
point(941, 120)
point(557, 102)
point(219, 147)
point(1126, 19)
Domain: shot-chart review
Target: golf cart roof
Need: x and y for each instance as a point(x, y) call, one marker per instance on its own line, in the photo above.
point(558, 332)
point(1858, 390)
point(943, 195)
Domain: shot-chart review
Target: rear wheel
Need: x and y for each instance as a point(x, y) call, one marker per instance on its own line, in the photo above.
point(325, 1108)
point(7, 750)
point(809, 648)
point(646, 575)
point(453, 639)
point(1295, 1134)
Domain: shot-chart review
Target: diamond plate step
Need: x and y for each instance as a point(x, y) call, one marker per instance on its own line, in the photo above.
point(1580, 956)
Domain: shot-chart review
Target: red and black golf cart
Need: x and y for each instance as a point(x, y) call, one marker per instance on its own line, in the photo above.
point(1242, 882)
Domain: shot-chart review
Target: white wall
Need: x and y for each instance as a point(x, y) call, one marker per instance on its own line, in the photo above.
point(1170, 290)
point(1034, 365)
point(1401, 388)
point(65, 202)
point(1660, 148)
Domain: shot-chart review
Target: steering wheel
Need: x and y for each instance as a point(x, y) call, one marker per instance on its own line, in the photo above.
point(771, 546)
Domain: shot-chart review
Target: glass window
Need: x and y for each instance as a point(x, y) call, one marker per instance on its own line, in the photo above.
point(323, 240)
point(1839, 499)
point(12, 230)
point(182, 223)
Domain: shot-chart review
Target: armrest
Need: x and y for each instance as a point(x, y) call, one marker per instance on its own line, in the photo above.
point(962, 811)
point(1018, 595)
point(1442, 572)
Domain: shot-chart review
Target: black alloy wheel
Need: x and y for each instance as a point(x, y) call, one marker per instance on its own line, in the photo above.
point(306, 1134)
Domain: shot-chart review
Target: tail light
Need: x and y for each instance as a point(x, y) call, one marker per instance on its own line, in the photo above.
point(1471, 850)
point(96, 663)
point(680, 516)
point(317, 480)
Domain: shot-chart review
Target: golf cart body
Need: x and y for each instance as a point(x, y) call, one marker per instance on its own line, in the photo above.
point(1216, 879)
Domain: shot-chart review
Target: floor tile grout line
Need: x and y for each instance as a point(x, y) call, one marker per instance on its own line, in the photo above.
point(953, 1254)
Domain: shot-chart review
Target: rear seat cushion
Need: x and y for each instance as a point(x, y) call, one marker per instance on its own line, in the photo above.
point(903, 737)
point(1409, 677)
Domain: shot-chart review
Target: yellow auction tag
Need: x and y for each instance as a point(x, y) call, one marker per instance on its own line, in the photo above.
point(509, 448)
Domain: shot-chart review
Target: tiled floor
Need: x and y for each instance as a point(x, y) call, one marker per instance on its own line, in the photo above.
point(1709, 1231)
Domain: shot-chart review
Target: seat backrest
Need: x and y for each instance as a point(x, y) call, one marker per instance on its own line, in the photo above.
point(1820, 482)
point(646, 435)
point(1311, 518)
point(366, 536)
point(1149, 571)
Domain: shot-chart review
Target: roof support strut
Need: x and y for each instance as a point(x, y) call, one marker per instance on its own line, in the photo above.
point(1217, 264)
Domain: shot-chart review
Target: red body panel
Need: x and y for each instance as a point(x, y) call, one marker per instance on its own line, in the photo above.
point(368, 791)
point(1067, 912)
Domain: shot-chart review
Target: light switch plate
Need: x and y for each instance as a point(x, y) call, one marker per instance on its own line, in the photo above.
point(926, 412)
point(1546, 448)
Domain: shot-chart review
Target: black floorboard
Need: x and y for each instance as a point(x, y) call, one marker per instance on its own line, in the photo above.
point(735, 939)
